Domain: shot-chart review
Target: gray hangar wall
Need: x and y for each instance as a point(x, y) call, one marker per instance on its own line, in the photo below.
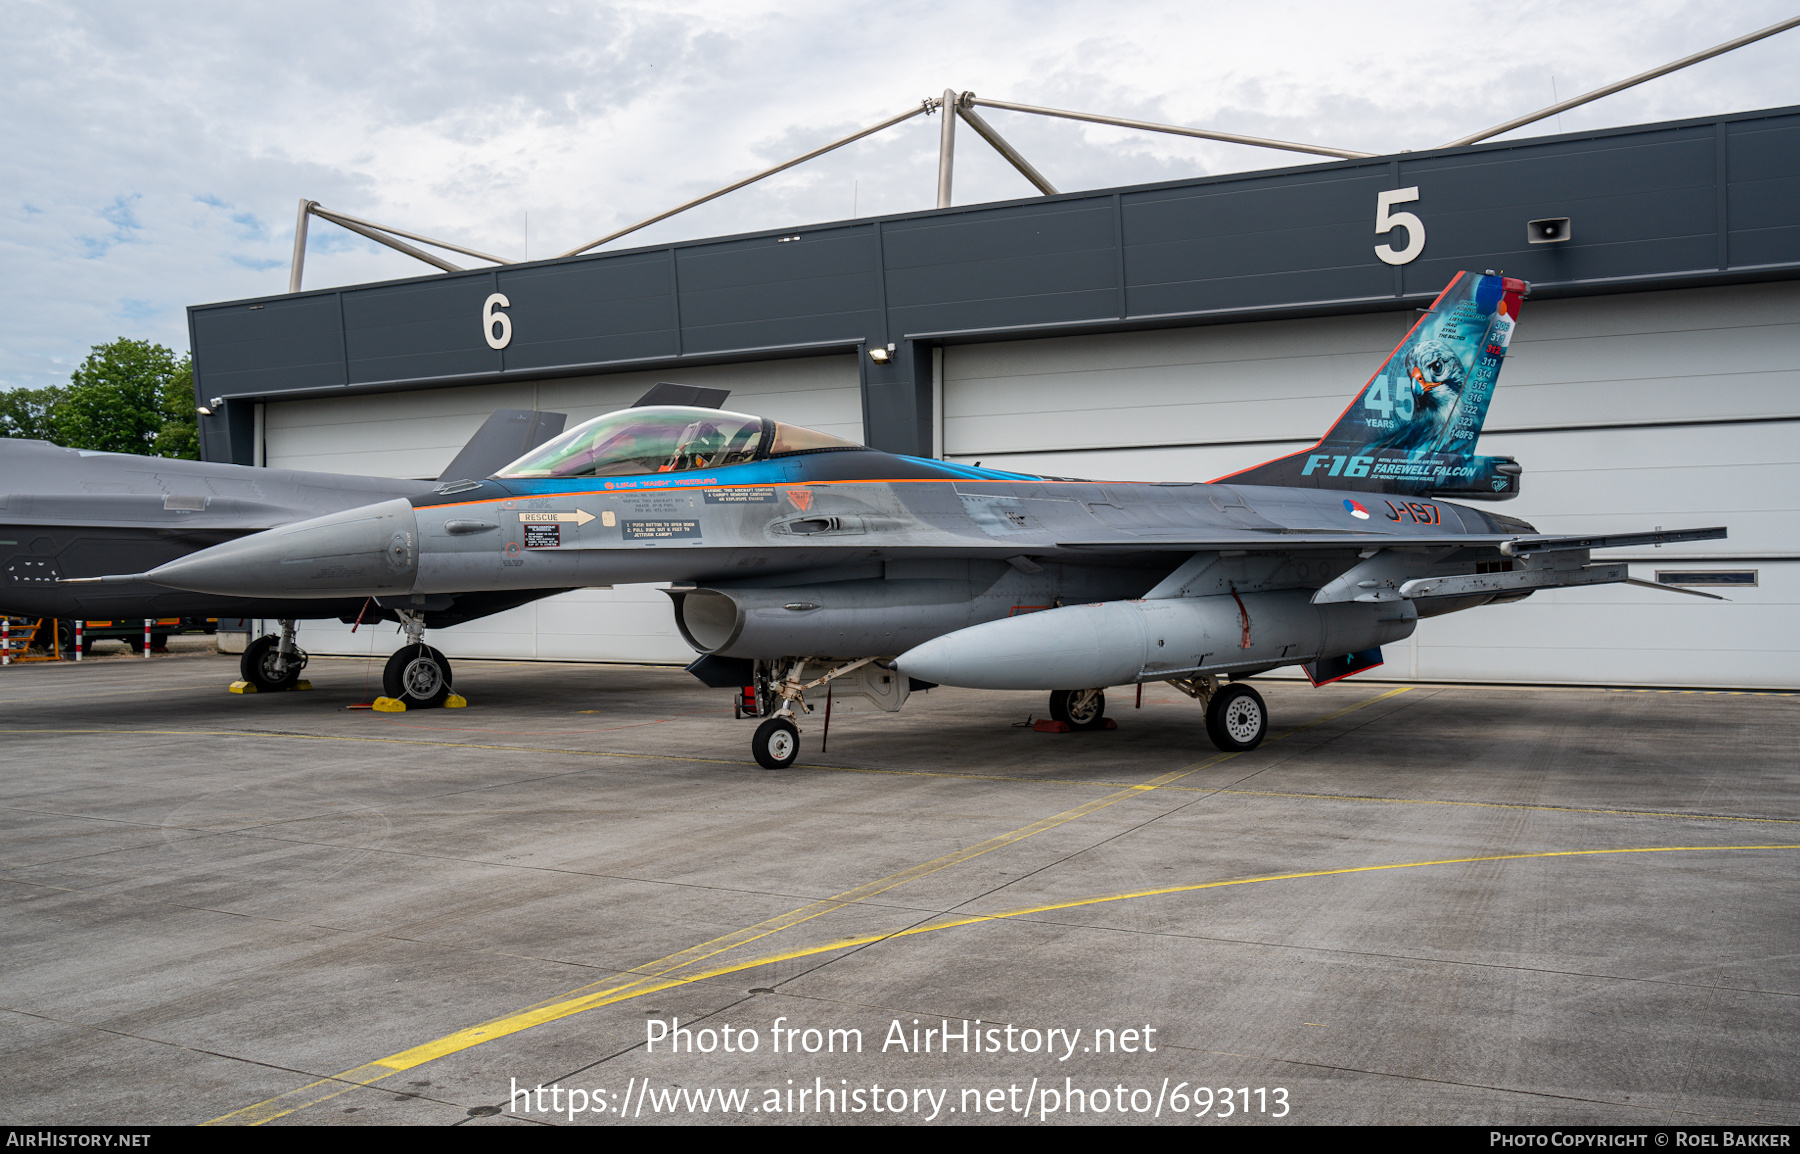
point(1172, 331)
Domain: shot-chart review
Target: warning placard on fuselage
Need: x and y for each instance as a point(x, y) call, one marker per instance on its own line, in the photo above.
point(658, 530)
point(745, 495)
point(540, 536)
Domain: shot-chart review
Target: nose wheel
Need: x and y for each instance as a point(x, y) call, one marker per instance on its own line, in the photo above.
point(776, 744)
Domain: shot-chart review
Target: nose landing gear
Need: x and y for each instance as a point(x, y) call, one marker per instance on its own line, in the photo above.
point(777, 740)
point(777, 743)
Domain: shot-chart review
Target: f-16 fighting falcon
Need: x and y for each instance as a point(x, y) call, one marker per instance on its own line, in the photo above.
point(67, 513)
point(798, 560)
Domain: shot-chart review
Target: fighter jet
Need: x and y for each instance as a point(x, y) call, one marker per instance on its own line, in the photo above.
point(70, 513)
point(798, 560)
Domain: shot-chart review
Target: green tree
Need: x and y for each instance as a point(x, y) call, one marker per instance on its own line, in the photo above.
point(180, 432)
point(29, 413)
point(127, 397)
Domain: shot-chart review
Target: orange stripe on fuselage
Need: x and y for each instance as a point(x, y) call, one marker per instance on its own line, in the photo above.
point(665, 489)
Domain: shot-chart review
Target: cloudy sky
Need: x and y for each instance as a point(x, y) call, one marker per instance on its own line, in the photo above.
point(153, 154)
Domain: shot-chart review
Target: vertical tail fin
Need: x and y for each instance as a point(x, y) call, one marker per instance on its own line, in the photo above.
point(1412, 429)
point(503, 438)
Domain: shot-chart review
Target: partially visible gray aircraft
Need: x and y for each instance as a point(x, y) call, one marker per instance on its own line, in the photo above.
point(75, 513)
point(800, 560)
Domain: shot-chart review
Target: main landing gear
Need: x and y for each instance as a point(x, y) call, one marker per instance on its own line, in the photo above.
point(271, 664)
point(1237, 719)
point(416, 676)
point(777, 740)
point(1079, 708)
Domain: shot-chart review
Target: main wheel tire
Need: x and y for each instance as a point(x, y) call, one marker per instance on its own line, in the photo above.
point(776, 744)
point(1079, 708)
point(258, 664)
point(418, 676)
point(1237, 719)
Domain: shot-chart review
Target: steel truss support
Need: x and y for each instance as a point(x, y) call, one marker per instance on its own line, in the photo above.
point(1540, 114)
point(925, 106)
point(965, 109)
point(380, 234)
point(1173, 129)
point(358, 224)
point(951, 104)
point(946, 146)
point(299, 264)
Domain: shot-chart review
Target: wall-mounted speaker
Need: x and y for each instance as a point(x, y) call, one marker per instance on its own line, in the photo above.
point(1552, 230)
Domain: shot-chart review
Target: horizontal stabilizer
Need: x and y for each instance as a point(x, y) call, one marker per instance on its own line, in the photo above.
point(1674, 589)
point(1524, 546)
point(1525, 580)
point(1517, 581)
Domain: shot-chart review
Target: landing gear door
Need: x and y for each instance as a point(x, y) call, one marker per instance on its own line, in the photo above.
point(886, 689)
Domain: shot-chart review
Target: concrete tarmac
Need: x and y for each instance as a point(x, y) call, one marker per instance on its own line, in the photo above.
point(1414, 904)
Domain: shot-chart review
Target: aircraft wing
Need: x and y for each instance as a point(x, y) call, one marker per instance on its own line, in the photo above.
point(1510, 544)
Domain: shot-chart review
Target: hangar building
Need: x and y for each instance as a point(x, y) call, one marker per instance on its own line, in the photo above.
point(1173, 331)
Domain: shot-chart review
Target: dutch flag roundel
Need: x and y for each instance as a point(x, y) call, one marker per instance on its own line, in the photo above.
point(1356, 510)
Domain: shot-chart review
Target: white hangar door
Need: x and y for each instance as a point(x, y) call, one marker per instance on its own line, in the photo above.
point(415, 434)
point(1627, 412)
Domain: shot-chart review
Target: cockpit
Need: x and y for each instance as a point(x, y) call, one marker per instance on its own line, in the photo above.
point(667, 439)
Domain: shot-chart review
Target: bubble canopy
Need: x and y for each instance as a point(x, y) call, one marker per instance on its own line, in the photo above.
point(666, 439)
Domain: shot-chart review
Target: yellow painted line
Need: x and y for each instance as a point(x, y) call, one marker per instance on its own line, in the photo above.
point(1024, 911)
point(1086, 783)
point(1504, 805)
point(382, 741)
point(1713, 692)
point(371, 1072)
point(653, 975)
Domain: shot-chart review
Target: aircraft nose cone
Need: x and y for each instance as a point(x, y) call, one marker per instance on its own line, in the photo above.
point(366, 552)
